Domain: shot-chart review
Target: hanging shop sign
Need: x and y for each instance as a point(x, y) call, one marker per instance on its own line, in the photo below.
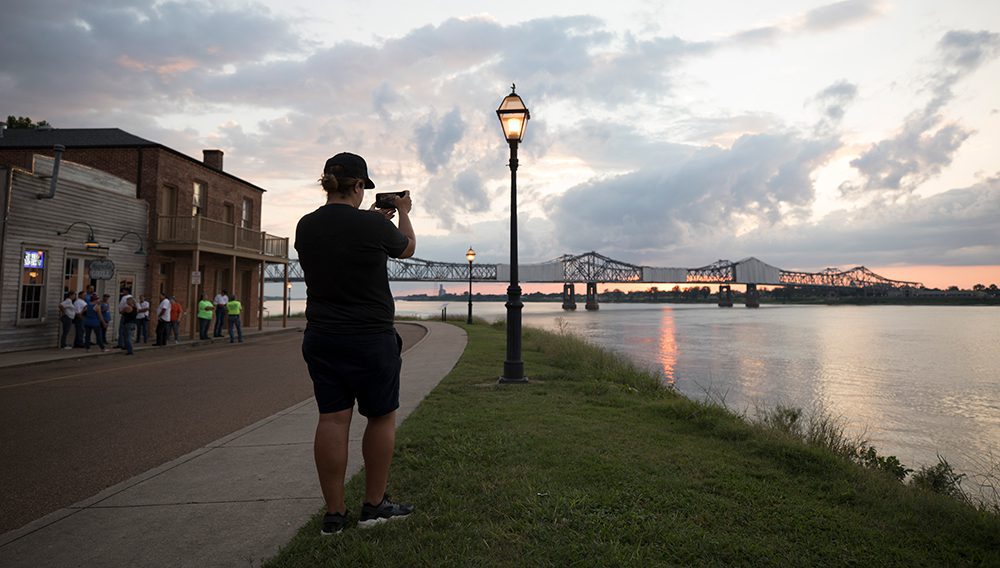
point(102, 269)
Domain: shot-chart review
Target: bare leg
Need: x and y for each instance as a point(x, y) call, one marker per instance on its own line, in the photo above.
point(376, 447)
point(330, 450)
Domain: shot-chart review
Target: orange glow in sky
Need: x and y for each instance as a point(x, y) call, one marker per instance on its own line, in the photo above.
point(964, 277)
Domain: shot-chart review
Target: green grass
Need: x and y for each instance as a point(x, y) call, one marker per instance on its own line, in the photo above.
point(593, 464)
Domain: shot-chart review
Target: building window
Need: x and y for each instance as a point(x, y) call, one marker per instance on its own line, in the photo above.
point(247, 213)
point(168, 201)
point(71, 276)
point(31, 305)
point(198, 200)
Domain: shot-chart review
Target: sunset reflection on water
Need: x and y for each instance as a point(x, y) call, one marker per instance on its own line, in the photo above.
point(668, 345)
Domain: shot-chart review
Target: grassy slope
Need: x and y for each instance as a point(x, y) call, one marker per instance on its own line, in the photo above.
point(593, 465)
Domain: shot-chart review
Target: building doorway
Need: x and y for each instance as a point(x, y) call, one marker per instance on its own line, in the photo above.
point(77, 278)
point(126, 285)
point(76, 275)
point(222, 281)
point(167, 278)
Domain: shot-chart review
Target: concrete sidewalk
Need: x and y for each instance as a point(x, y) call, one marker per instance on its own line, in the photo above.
point(13, 359)
point(234, 502)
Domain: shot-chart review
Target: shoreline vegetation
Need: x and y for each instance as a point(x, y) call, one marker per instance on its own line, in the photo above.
point(979, 295)
point(595, 462)
point(704, 295)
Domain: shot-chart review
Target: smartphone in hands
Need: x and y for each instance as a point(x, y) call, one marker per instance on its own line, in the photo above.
point(387, 201)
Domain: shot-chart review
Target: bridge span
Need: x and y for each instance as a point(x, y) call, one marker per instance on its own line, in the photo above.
point(592, 268)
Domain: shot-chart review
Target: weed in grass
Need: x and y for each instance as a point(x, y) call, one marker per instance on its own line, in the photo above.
point(783, 419)
point(984, 480)
point(940, 478)
point(869, 457)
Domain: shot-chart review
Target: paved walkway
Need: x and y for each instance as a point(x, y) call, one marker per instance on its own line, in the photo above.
point(34, 356)
point(234, 502)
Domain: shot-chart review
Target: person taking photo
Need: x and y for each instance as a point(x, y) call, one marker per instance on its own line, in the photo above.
point(350, 344)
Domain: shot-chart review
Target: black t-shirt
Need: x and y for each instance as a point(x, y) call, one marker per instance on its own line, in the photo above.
point(343, 252)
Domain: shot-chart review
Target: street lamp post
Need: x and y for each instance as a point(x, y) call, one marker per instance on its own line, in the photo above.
point(470, 255)
point(513, 117)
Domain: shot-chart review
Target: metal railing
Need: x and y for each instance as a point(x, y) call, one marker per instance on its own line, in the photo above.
point(200, 230)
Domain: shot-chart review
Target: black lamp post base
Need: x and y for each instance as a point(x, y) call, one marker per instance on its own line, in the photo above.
point(513, 373)
point(506, 381)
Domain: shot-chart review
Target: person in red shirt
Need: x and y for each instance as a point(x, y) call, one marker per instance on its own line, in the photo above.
point(176, 309)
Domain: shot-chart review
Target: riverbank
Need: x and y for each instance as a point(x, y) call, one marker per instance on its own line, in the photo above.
point(766, 297)
point(594, 463)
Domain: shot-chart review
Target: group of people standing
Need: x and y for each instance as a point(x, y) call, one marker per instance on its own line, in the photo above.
point(89, 315)
point(226, 309)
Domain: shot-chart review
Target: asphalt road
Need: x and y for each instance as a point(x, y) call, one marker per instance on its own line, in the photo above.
point(69, 429)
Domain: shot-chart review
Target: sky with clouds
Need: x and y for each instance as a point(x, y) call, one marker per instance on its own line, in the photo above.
point(807, 133)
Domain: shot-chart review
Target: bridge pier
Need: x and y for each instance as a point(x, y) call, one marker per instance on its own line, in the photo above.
point(753, 296)
point(592, 296)
point(725, 296)
point(569, 297)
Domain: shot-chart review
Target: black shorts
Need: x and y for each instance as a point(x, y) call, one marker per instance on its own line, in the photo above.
point(348, 367)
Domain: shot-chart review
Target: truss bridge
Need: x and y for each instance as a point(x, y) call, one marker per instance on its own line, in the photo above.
point(592, 268)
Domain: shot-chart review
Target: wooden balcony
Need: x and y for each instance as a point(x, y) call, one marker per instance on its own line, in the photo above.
point(209, 235)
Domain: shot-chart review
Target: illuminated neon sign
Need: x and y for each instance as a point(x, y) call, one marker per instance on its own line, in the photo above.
point(34, 259)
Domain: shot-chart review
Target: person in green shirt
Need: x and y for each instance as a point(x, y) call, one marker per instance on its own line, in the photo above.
point(205, 310)
point(233, 309)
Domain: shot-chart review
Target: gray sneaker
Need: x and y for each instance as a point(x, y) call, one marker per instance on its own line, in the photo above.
point(372, 515)
point(333, 523)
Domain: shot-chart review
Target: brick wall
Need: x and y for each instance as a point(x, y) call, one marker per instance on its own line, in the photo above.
point(220, 189)
point(153, 168)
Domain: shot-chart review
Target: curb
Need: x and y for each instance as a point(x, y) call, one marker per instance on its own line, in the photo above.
point(56, 355)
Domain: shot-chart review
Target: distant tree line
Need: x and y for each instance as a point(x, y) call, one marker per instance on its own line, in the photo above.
point(807, 295)
point(24, 122)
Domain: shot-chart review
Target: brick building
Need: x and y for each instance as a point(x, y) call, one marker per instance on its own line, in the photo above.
point(203, 222)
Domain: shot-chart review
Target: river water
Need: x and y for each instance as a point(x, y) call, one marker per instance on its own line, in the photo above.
point(917, 380)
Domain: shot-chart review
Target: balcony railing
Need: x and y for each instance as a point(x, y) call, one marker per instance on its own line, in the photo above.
point(202, 231)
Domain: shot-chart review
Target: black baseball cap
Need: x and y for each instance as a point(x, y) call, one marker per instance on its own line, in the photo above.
point(349, 165)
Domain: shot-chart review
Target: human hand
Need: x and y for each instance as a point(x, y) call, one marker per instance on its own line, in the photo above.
point(387, 213)
point(403, 203)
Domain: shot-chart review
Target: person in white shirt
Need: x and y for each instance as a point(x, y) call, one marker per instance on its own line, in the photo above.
point(162, 320)
point(67, 314)
point(122, 304)
point(220, 301)
point(80, 304)
point(142, 320)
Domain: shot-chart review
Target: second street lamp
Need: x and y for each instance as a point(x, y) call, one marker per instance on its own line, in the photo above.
point(513, 117)
point(470, 255)
point(140, 250)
